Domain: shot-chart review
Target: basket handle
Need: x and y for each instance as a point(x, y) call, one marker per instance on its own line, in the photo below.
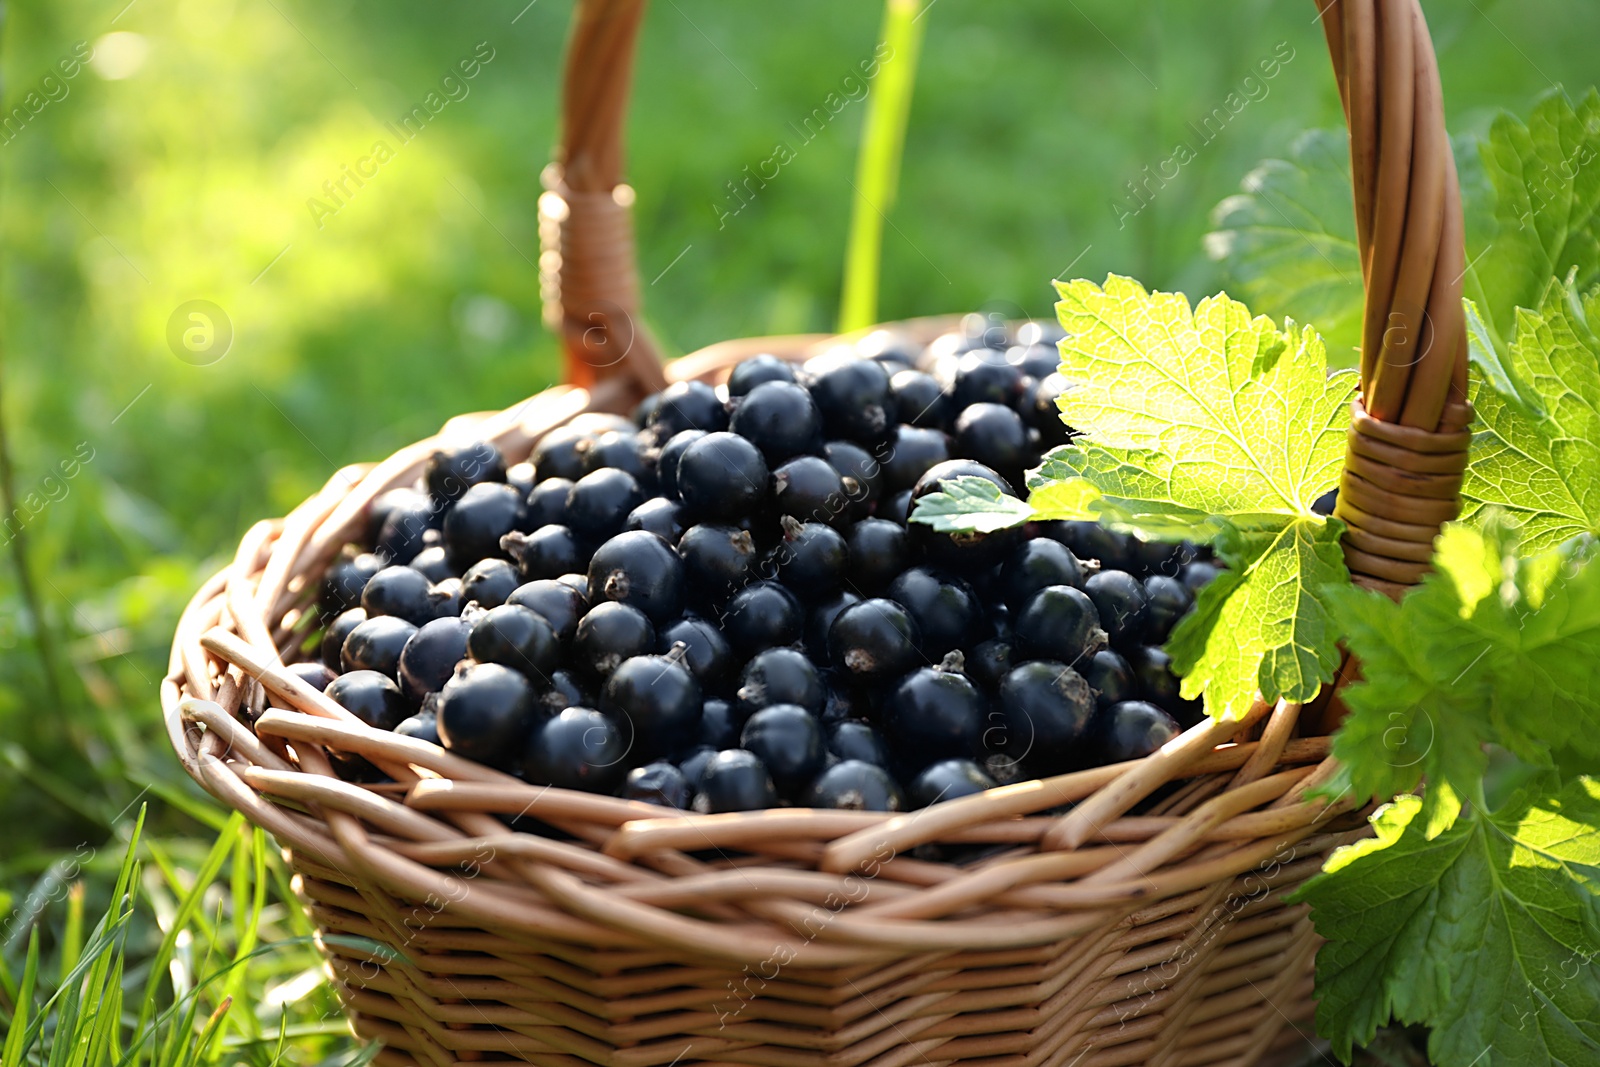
point(589, 277)
point(1407, 445)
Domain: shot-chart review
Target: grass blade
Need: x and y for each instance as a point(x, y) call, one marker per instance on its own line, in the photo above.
point(18, 1040)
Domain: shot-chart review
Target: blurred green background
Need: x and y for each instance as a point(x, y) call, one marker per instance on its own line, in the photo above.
point(178, 163)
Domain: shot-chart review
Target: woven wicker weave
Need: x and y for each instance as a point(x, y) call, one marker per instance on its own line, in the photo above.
point(795, 938)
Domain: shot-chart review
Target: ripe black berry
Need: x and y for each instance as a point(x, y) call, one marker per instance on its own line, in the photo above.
point(860, 473)
point(450, 473)
point(1199, 574)
point(779, 676)
point(933, 715)
point(1047, 708)
point(609, 634)
point(757, 370)
point(734, 780)
point(1166, 601)
point(375, 645)
point(688, 406)
point(705, 651)
point(722, 476)
point(915, 451)
point(562, 692)
point(546, 505)
point(852, 396)
point(657, 783)
point(874, 640)
point(762, 615)
point(994, 436)
point(990, 661)
point(488, 582)
point(401, 592)
point(779, 418)
point(1060, 623)
point(720, 724)
point(639, 569)
point(857, 741)
point(667, 462)
point(788, 740)
point(820, 620)
point(1132, 730)
point(334, 636)
point(314, 673)
point(947, 780)
point(557, 455)
point(424, 726)
point(717, 561)
point(944, 607)
point(808, 489)
point(660, 699)
point(559, 603)
point(1119, 599)
point(811, 560)
point(878, 552)
point(407, 526)
point(985, 377)
point(918, 400)
point(855, 785)
point(371, 697)
point(630, 452)
point(473, 528)
point(429, 658)
point(599, 503)
point(580, 748)
point(1034, 565)
point(518, 637)
point(446, 598)
point(433, 564)
point(548, 552)
point(971, 551)
point(485, 713)
point(1110, 676)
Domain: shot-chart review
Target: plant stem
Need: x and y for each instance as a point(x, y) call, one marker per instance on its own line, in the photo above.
point(883, 137)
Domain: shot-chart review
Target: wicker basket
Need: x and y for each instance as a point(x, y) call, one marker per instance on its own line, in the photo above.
point(796, 938)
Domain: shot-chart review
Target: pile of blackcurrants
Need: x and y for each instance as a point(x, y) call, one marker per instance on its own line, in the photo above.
point(719, 605)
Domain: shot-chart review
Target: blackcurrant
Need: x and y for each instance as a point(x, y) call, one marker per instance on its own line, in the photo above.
point(580, 748)
point(1110, 676)
point(914, 452)
point(811, 560)
point(1131, 730)
point(659, 698)
point(564, 691)
point(861, 475)
point(1047, 708)
point(934, 714)
point(639, 569)
point(599, 503)
point(688, 406)
point(762, 615)
point(657, 783)
point(985, 377)
point(375, 645)
point(945, 609)
point(1199, 574)
point(947, 780)
point(547, 552)
point(874, 640)
point(918, 400)
point(486, 711)
point(546, 505)
point(314, 673)
point(517, 637)
point(433, 564)
point(451, 472)
point(779, 418)
point(722, 476)
point(473, 528)
point(705, 651)
point(400, 592)
point(819, 621)
point(447, 597)
point(333, 637)
point(423, 726)
point(788, 740)
point(1036, 564)
point(429, 658)
point(990, 661)
point(610, 633)
point(1059, 623)
point(1046, 413)
point(488, 582)
point(779, 676)
point(630, 452)
point(878, 552)
point(557, 455)
point(734, 780)
point(560, 604)
point(971, 551)
point(808, 489)
point(1120, 602)
point(717, 561)
point(371, 697)
point(720, 724)
point(856, 741)
point(667, 462)
point(852, 396)
point(1166, 601)
point(994, 436)
point(758, 370)
point(407, 526)
point(854, 785)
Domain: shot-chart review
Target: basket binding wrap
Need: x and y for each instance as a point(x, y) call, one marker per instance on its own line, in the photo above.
point(828, 939)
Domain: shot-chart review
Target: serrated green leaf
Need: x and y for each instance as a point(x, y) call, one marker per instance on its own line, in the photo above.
point(1118, 487)
point(1261, 626)
point(1488, 933)
point(1544, 469)
point(971, 504)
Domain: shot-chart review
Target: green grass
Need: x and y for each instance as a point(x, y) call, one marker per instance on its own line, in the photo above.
point(363, 329)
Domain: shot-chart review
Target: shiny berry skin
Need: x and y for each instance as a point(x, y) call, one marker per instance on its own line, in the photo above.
point(854, 785)
point(918, 400)
point(1046, 413)
point(853, 397)
point(947, 780)
point(429, 658)
point(1166, 601)
point(1199, 574)
point(1120, 602)
point(788, 740)
point(734, 780)
point(808, 489)
point(994, 436)
point(408, 527)
point(630, 452)
point(722, 477)
point(874, 640)
point(1325, 503)
point(580, 582)
point(990, 661)
point(488, 582)
point(758, 370)
point(546, 505)
point(334, 636)
point(1091, 543)
point(485, 713)
point(446, 598)
point(779, 676)
point(717, 561)
point(517, 637)
point(375, 645)
point(657, 783)
point(971, 551)
point(934, 715)
point(1110, 676)
point(1153, 681)
point(659, 699)
point(667, 461)
point(1131, 730)
point(843, 703)
point(450, 473)
point(609, 634)
point(688, 406)
point(423, 726)
point(914, 453)
point(1047, 707)
point(819, 620)
point(473, 528)
point(580, 748)
point(371, 697)
point(1035, 358)
point(639, 569)
point(560, 604)
point(856, 741)
point(433, 564)
point(599, 503)
point(895, 508)
point(705, 651)
point(520, 476)
point(878, 552)
point(316, 674)
point(762, 615)
point(945, 609)
point(400, 592)
point(341, 587)
point(860, 473)
point(547, 552)
point(694, 762)
point(391, 501)
point(779, 418)
point(558, 455)
point(811, 560)
point(720, 724)
point(1060, 623)
point(1035, 564)
point(984, 377)
point(562, 692)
